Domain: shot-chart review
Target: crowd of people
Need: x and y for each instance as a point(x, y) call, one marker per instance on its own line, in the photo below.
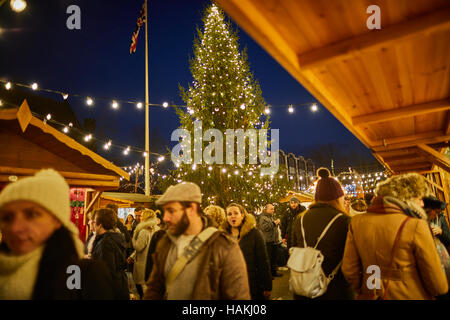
point(188, 253)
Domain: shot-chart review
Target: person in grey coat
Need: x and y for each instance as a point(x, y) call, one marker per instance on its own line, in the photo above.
point(269, 227)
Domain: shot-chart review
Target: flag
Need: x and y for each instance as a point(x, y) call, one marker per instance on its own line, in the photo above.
point(134, 36)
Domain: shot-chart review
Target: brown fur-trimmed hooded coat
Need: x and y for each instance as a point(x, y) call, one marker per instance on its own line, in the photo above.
point(251, 241)
point(416, 274)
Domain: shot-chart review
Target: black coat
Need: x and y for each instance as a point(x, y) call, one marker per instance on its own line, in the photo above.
point(52, 276)
point(332, 245)
point(151, 249)
point(253, 247)
point(110, 248)
point(445, 236)
point(287, 220)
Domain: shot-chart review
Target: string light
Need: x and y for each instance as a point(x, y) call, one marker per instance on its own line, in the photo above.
point(165, 105)
point(89, 101)
point(126, 151)
point(49, 116)
point(8, 85)
point(291, 109)
point(115, 105)
point(34, 86)
point(65, 96)
point(139, 105)
point(66, 129)
point(314, 108)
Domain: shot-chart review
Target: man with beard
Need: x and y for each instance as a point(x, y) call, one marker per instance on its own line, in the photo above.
point(214, 267)
point(288, 219)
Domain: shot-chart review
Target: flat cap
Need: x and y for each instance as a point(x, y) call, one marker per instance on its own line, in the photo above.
point(184, 191)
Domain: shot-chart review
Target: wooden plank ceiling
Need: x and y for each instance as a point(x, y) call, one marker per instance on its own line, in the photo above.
point(389, 87)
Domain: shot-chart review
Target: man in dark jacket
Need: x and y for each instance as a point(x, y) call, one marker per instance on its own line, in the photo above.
point(109, 247)
point(269, 228)
point(137, 218)
point(288, 219)
point(119, 224)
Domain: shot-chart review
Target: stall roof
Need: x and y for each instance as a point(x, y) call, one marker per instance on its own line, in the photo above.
point(302, 196)
point(389, 87)
point(128, 197)
point(28, 145)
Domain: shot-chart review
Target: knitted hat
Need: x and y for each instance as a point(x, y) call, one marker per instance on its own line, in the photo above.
point(46, 188)
point(295, 199)
point(327, 188)
point(184, 191)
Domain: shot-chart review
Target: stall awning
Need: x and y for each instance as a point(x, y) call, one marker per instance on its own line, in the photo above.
point(28, 145)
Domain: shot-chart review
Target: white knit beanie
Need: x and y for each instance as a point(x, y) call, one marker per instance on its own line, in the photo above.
point(48, 189)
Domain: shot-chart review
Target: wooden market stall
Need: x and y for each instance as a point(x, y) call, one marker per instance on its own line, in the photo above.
point(126, 200)
point(28, 145)
point(390, 87)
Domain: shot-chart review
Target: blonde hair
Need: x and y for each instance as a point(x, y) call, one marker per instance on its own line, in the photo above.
point(404, 187)
point(149, 214)
point(216, 214)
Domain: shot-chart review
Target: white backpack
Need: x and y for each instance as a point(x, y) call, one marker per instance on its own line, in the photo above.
point(307, 278)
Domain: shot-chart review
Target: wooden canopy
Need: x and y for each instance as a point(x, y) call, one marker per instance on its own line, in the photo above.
point(126, 200)
point(302, 196)
point(389, 87)
point(28, 144)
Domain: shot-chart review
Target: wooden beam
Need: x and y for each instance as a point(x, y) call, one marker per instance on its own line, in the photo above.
point(438, 158)
point(89, 206)
point(410, 167)
point(413, 143)
point(413, 137)
point(391, 35)
point(434, 184)
point(76, 175)
point(403, 112)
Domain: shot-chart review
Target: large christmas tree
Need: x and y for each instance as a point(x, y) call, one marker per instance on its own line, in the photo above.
point(224, 95)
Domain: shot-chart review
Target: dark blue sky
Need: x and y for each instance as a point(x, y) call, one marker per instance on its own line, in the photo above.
point(36, 46)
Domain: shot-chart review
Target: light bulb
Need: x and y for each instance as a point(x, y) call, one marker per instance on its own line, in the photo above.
point(8, 86)
point(66, 129)
point(139, 105)
point(314, 108)
point(34, 86)
point(89, 101)
point(115, 105)
point(18, 5)
point(291, 109)
point(49, 116)
point(65, 96)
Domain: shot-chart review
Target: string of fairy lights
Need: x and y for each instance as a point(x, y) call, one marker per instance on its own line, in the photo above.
point(115, 103)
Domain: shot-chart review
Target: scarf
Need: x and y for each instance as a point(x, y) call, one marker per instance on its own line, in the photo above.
point(18, 274)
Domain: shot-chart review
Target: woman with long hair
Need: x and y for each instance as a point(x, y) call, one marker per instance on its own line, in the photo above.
point(242, 226)
point(328, 204)
point(141, 242)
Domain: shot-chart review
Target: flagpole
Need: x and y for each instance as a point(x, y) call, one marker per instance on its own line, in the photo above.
point(147, 158)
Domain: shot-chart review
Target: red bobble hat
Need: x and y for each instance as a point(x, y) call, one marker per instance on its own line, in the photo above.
point(328, 188)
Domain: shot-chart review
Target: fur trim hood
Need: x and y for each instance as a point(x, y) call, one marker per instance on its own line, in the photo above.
point(394, 205)
point(151, 223)
point(248, 224)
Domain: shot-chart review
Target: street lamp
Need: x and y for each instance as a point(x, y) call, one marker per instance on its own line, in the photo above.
point(18, 5)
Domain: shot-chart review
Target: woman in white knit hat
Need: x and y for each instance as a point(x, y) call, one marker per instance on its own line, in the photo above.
point(40, 243)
